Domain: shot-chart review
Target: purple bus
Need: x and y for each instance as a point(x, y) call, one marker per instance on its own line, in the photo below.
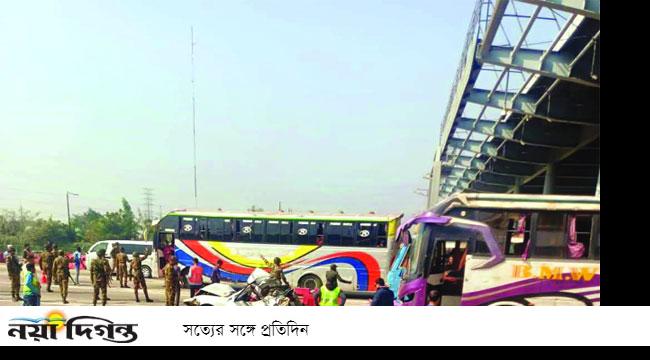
point(542, 253)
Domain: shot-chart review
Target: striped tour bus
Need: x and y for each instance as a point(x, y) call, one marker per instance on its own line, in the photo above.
point(307, 244)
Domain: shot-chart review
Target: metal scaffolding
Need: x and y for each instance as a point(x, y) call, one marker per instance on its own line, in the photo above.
point(525, 99)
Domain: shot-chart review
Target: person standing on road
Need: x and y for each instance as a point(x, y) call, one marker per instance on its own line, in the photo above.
point(383, 296)
point(171, 281)
point(196, 277)
point(168, 252)
point(114, 251)
point(329, 295)
point(27, 252)
point(13, 269)
point(138, 277)
point(77, 263)
point(216, 272)
point(276, 270)
point(178, 273)
point(31, 287)
point(122, 272)
point(332, 276)
point(62, 272)
point(46, 262)
point(161, 258)
point(100, 275)
point(55, 253)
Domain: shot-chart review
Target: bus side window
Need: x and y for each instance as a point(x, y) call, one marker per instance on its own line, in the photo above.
point(219, 230)
point(244, 230)
point(583, 232)
point(596, 237)
point(273, 231)
point(382, 234)
point(551, 235)
point(302, 231)
point(366, 235)
point(202, 228)
point(498, 221)
point(513, 245)
point(348, 232)
point(481, 248)
point(333, 234)
point(286, 235)
point(257, 235)
point(189, 229)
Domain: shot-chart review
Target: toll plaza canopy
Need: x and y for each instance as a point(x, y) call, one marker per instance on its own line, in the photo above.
point(523, 115)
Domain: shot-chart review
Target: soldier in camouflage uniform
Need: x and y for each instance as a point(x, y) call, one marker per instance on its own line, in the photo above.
point(122, 272)
point(100, 275)
point(62, 273)
point(13, 268)
point(55, 252)
point(114, 251)
point(135, 272)
point(27, 252)
point(172, 279)
point(46, 263)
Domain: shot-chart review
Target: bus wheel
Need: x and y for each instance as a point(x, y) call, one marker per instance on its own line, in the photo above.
point(146, 271)
point(310, 281)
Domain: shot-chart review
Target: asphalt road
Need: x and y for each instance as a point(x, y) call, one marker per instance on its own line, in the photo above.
point(82, 294)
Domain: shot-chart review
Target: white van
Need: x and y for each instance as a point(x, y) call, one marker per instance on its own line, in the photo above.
point(148, 265)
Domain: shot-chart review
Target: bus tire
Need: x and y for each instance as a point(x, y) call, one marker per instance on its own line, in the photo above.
point(310, 281)
point(146, 271)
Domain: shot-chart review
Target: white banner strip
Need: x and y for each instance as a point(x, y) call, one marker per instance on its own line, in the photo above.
point(375, 326)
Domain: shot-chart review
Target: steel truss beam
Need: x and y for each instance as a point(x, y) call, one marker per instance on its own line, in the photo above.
point(587, 8)
point(523, 104)
point(554, 64)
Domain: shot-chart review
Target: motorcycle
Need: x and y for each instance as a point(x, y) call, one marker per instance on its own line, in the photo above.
point(260, 290)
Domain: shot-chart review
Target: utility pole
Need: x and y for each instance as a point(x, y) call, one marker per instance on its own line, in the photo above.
point(196, 199)
point(280, 206)
point(148, 202)
point(67, 200)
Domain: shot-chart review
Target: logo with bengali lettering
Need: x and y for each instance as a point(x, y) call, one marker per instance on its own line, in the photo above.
point(51, 326)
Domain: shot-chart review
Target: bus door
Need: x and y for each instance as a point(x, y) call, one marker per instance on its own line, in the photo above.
point(164, 238)
point(446, 259)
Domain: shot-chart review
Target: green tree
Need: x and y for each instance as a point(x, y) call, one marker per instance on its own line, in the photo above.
point(44, 231)
point(130, 226)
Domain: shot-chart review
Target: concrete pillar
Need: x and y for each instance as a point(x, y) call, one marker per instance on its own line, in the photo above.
point(549, 179)
point(517, 188)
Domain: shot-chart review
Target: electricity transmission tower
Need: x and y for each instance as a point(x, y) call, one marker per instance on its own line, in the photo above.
point(148, 203)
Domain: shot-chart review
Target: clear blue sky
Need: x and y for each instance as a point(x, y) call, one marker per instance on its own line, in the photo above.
point(323, 105)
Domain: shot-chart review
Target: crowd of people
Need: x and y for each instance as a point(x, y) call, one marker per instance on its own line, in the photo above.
point(55, 267)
